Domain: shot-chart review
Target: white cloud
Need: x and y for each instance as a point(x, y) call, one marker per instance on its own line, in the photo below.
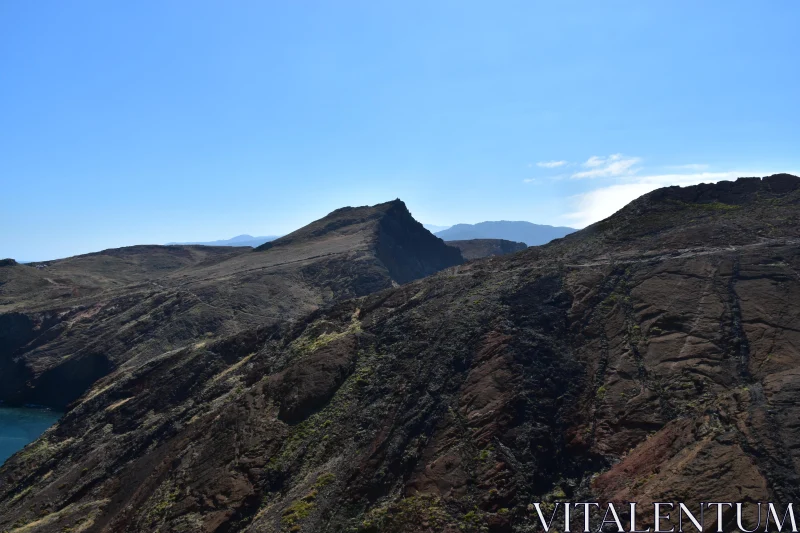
point(608, 167)
point(593, 206)
point(551, 164)
point(601, 203)
point(595, 161)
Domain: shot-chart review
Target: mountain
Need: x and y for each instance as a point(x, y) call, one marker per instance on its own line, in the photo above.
point(530, 234)
point(65, 324)
point(479, 248)
point(653, 356)
point(405, 248)
point(239, 240)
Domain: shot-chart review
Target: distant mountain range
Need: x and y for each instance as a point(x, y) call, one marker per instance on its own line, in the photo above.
point(527, 232)
point(239, 240)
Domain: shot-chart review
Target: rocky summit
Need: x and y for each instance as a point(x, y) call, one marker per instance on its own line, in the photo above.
point(318, 384)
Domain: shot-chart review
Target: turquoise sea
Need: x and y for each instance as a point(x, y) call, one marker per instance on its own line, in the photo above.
point(19, 426)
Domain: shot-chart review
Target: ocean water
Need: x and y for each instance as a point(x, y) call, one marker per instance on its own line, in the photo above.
point(19, 426)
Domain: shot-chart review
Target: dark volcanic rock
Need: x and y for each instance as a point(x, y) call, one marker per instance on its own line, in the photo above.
point(7, 262)
point(479, 248)
point(629, 361)
point(408, 250)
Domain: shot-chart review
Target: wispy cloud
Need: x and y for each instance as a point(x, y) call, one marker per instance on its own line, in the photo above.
point(595, 161)
point(593, 206)
point(607, 167)
point(551, 164)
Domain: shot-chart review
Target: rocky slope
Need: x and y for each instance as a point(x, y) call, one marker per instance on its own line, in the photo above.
point(480, 248)
point(651, 357)
point(66, 323)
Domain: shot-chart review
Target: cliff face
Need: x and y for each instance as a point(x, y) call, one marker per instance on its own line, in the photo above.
point(408, 250)
point(577, 371)
point(66, 323)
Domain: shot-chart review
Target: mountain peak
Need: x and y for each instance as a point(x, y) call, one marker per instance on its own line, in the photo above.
point(242, 237)
point(344, 220)
point(388, 230)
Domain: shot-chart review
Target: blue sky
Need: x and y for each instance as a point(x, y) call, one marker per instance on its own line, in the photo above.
point(156, 121)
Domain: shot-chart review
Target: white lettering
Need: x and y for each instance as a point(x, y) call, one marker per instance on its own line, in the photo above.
point(789, 511)
point(546, 526)
point(658, 517)
point(683, 509)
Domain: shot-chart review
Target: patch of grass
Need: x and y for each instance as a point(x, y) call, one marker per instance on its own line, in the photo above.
point(324, 480)
point(39, 450)
point(717, 206)
point(22, 494)
point(305, 345)
point(484, 454)
point(409, 513)
point(297, 511)
point(711, 206)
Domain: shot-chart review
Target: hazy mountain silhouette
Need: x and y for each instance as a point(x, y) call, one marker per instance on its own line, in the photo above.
point(239, 240)
point(527, 232)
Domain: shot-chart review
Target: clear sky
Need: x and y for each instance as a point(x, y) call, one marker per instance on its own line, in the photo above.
point(154, 121)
